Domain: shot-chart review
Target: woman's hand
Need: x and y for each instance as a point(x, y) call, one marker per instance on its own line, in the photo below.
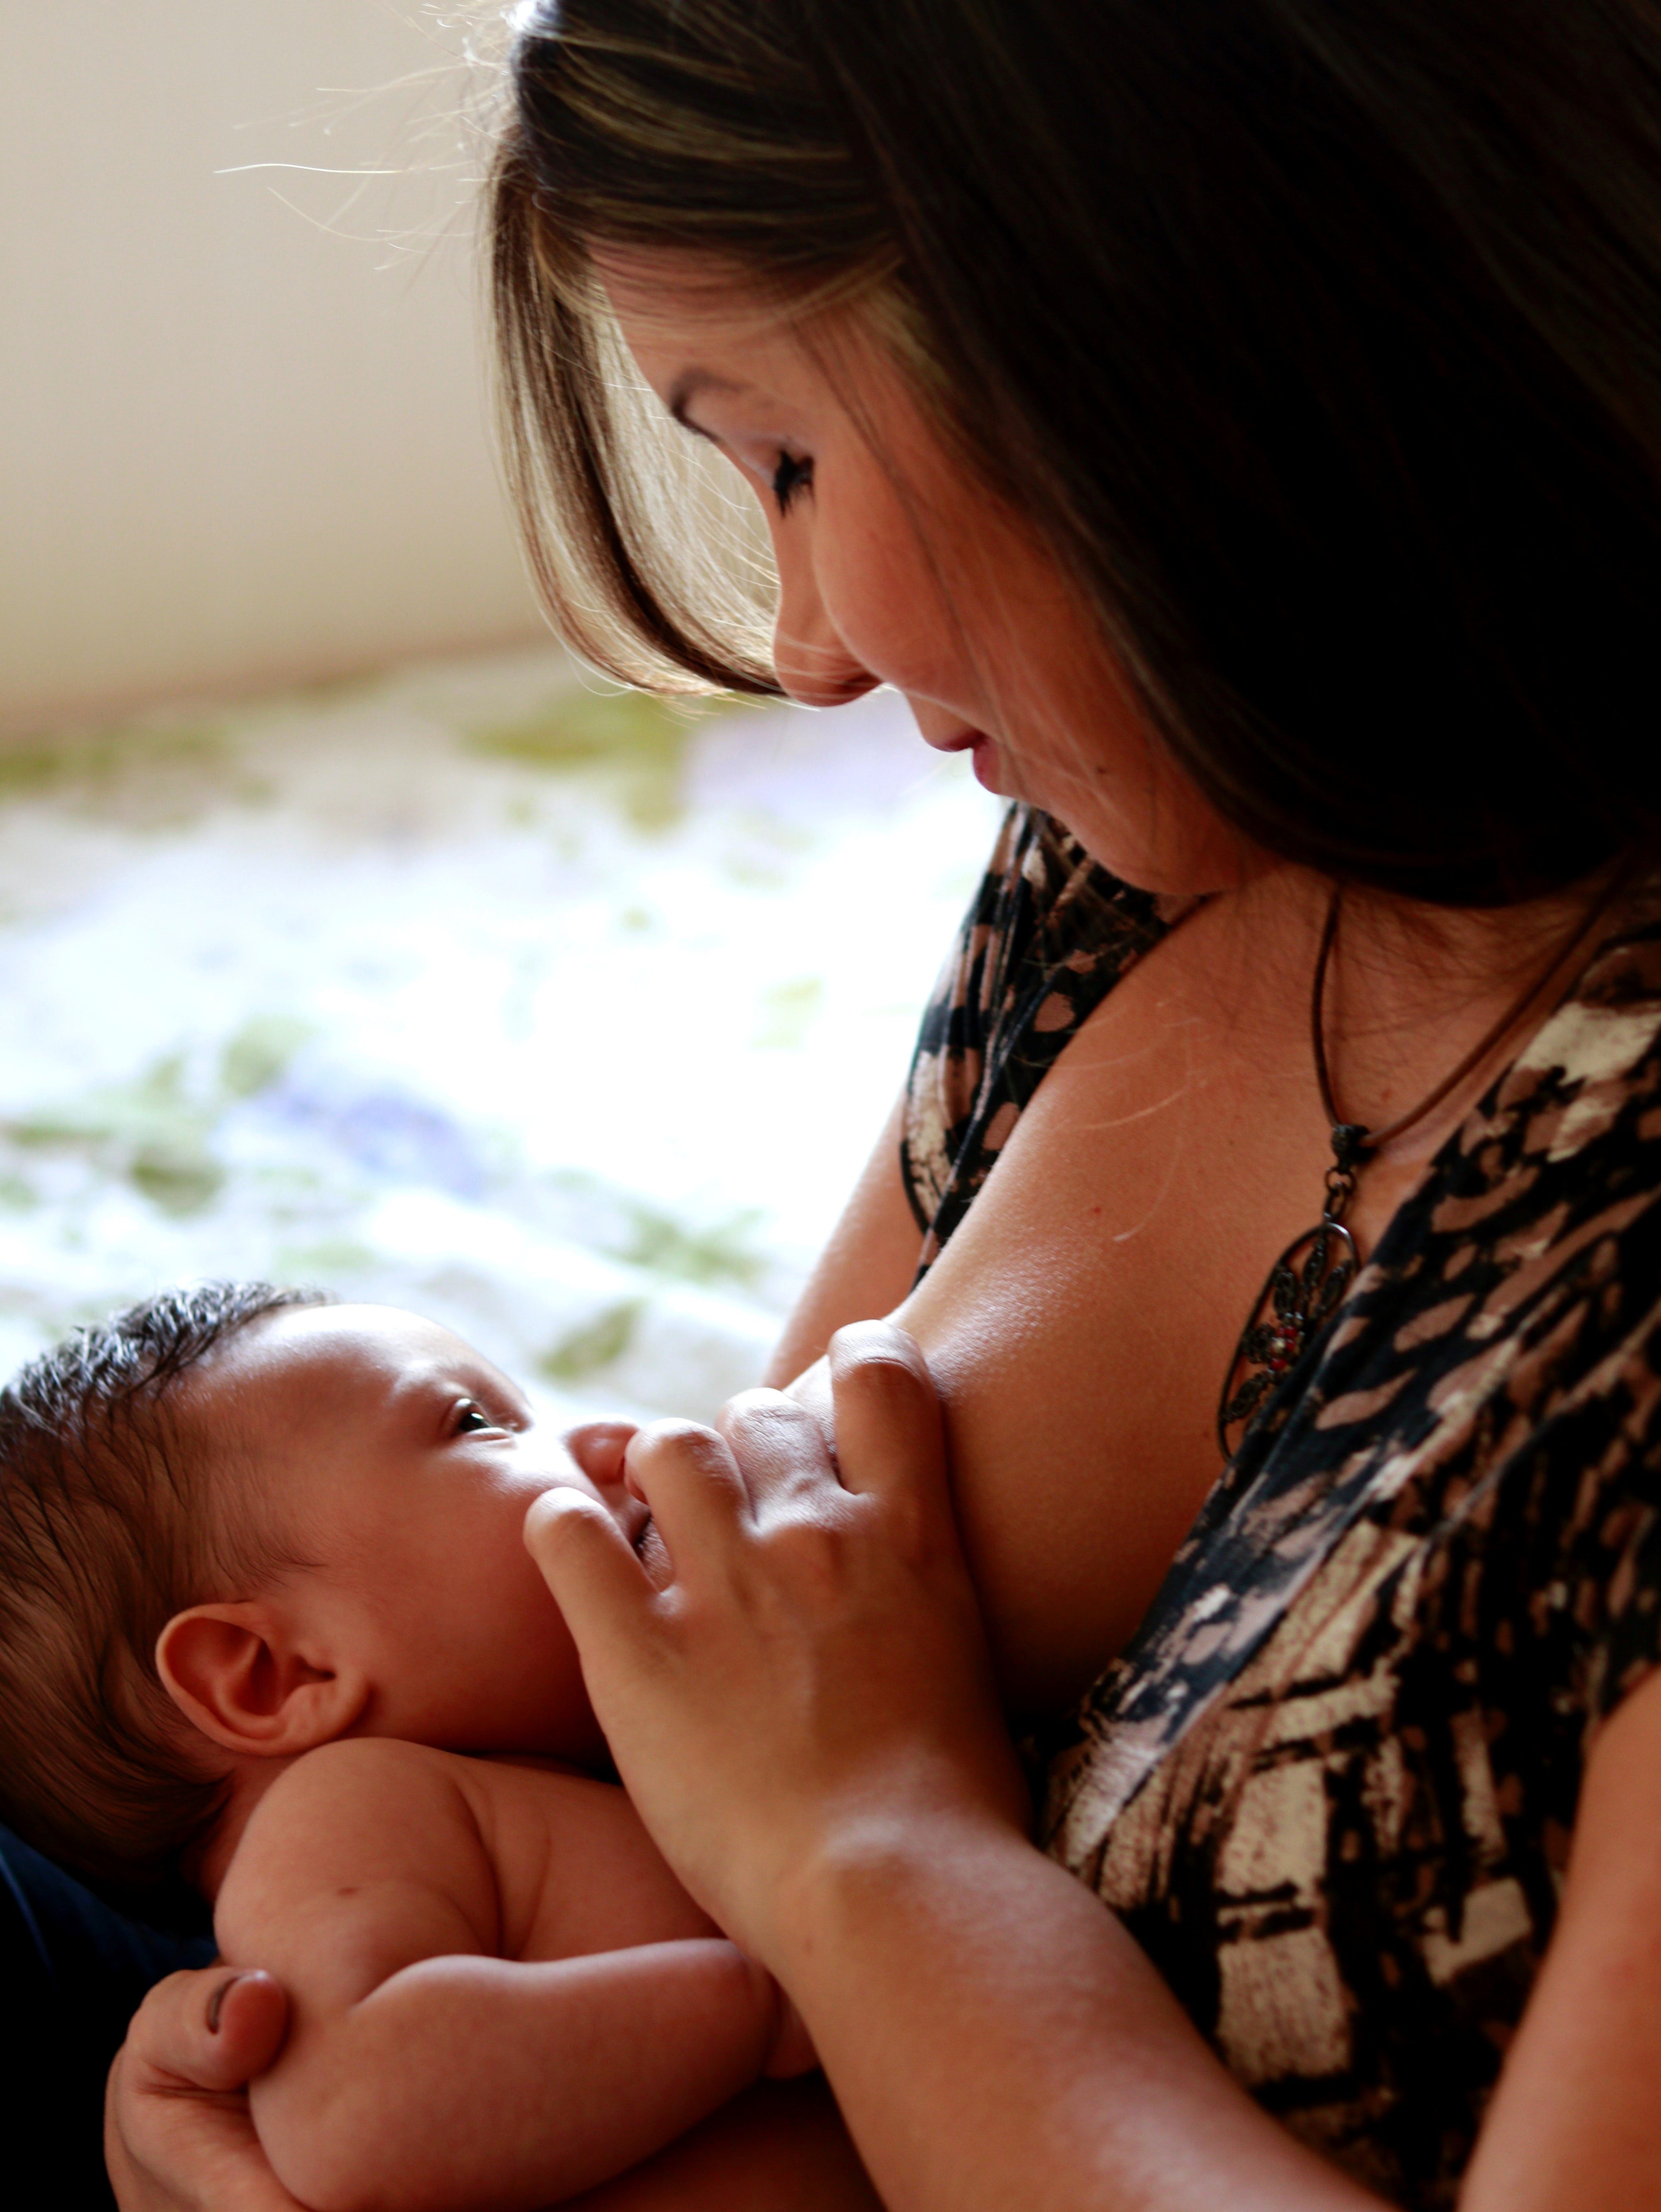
point(808, 1675)
point(176, 2134)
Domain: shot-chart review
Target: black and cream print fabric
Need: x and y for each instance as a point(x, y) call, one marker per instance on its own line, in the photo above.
point(1047, 936)
point(1330, 1785)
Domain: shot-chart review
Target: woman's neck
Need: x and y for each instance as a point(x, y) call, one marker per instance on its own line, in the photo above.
point(1410, 988)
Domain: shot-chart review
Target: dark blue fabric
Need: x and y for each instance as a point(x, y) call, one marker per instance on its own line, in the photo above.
point(74, 1969)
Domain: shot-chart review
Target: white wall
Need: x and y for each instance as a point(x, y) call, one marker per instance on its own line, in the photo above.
point(241, 441)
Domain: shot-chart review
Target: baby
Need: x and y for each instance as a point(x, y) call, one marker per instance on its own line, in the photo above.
point(266, 1617)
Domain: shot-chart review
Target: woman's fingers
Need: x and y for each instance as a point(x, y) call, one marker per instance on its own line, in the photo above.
point(782, 1452)
point(585, 1559)
point(774, 1460)
point(597, 1448)
point(813, 1649)
point(246, 2021)
point(691, 1482)
point(178, 2136)
point(212, 2030)
point(889, 1434)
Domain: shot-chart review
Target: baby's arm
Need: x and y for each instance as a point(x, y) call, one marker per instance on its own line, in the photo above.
point(424, 2072)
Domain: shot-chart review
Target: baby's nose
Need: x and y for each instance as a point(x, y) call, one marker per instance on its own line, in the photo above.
point(595, 1451)
point(597, 1448)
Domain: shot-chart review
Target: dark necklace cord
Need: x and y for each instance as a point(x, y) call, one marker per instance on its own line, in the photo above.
point(1353, 1141)
point(1310, 1280)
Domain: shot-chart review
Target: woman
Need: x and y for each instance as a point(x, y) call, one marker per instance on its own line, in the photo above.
point(1236, 422)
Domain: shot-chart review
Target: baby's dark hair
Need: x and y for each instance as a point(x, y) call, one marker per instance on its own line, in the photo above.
point(108, 1527)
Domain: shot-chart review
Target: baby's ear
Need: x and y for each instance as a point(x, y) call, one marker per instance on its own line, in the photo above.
point(238, 1672)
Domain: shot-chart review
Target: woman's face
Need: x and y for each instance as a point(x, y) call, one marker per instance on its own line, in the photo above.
point(897, 567)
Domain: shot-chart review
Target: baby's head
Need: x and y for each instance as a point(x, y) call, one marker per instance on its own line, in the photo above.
point(240, 1522)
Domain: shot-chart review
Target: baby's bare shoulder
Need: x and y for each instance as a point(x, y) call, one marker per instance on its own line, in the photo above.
point(366, 1815)
point(335, 1786)
point(578, 1871)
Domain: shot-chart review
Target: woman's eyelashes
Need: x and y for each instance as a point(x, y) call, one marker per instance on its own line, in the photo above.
point(791, 475)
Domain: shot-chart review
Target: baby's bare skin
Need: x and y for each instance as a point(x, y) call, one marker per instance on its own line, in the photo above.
point(500, 1994)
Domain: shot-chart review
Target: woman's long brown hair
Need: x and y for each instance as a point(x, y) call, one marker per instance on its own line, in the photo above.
point(1320, 338)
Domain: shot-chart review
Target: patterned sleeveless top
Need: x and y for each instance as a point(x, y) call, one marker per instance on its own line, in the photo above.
point(1329, 1785)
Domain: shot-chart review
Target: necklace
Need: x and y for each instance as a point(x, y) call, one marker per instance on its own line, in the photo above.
point(1309, 1280)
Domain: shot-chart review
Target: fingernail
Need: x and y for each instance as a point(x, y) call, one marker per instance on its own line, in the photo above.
point(216, 2003)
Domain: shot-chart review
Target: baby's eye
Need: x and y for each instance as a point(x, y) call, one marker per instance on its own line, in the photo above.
point(469, 1416)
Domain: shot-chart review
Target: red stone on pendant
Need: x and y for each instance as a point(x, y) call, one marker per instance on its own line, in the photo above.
point(1305, 1287)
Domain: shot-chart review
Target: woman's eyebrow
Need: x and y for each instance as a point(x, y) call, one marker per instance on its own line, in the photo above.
point(688, 385)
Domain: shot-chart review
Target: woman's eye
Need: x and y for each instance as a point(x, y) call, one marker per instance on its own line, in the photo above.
point(469, 1416)
point(790, 477)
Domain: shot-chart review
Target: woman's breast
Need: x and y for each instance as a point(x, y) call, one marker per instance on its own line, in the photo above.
point(1081, 1320)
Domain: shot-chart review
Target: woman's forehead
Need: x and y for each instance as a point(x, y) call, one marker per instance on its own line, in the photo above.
point(680, 314)
point(699, 293)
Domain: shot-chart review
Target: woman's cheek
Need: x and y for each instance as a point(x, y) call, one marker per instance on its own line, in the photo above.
point(890, 615)
point(810, 657)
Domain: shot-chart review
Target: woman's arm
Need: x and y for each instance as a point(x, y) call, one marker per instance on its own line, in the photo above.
point(866, 1269)
point(804, 1718)
point(1027, 2053)
point(178, 2133)
point(1576, 2120)
point(807, 1718)
point(1007, 1973)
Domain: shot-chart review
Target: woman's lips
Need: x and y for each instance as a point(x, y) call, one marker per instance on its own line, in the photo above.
point(983, 756)
point(983, 752)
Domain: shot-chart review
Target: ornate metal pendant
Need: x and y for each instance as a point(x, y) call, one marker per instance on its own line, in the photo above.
point(1306, 1288)
point(1307, 1284)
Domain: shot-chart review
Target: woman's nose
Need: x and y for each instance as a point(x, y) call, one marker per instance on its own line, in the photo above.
point(809, 657)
